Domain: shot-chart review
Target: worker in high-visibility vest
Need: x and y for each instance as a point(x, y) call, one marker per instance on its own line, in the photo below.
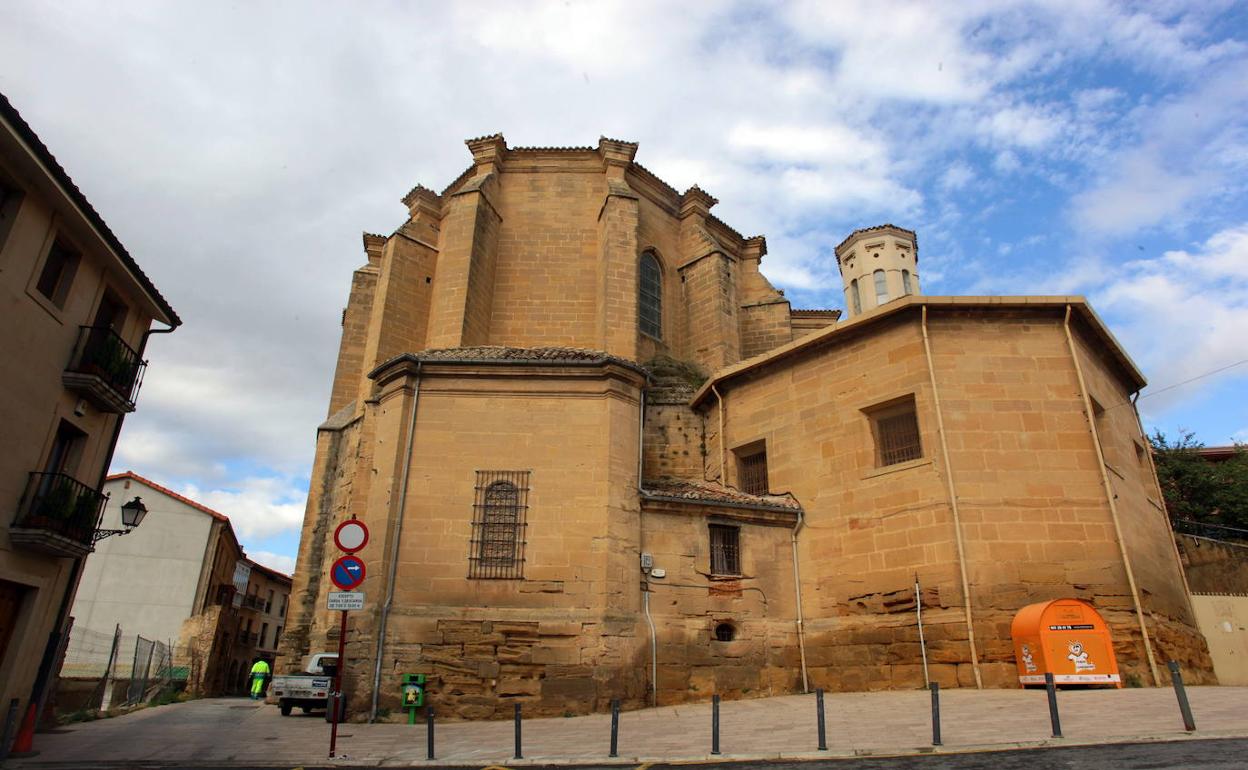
point(259, 674)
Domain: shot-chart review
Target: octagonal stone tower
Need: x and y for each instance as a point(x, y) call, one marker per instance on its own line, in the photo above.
point(878, 264)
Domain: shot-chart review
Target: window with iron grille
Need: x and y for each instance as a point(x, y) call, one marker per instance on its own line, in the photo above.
point(752, 469)
point(498, 525)
point(896, 430)
point(725, 550)
point(650, 297)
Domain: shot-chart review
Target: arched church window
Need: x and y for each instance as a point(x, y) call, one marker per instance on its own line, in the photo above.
point(650, 297)
point(854, 296)
point(905, 282)
point(881, 288)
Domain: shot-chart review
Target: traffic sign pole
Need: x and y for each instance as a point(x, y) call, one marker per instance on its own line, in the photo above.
point(336, 701)
point(347, 573)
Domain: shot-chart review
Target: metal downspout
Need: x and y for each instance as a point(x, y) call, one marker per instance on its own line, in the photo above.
point(953, 506)
point(797, 590)
point(723, 446)
point(394, 548)
point(645, 584)
point(1109, 495)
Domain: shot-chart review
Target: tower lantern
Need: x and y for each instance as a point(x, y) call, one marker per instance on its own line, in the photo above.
point(878, 265)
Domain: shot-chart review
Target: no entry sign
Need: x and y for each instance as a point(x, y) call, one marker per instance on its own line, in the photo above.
point(347, 573)
point(351, 535)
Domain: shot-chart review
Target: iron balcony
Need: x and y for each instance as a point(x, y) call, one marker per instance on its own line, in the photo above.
point(57, 515)
point(105, 370)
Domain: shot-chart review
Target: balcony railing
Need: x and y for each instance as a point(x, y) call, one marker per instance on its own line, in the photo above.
point(57, 515)
point(105, 370)
point(253, 602)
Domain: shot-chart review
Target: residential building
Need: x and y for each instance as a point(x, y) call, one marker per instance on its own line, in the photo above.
point(183, 578)
point(77, 313)
point(601, 457)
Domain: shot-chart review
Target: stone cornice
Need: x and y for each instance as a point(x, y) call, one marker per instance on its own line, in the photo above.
point(744, 512)
point(887, 229)
point(421, 199)
point(696, 201)
point(616, 152)
point(487, 151)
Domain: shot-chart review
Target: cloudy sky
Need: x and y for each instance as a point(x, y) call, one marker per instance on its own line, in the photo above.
point(239, 149)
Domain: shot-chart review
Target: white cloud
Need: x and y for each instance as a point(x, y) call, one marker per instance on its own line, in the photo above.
point(257, 506)
point(278, 561)
point(1184, 313)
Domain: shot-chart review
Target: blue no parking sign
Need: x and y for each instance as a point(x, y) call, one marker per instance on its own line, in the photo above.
point(347, 573)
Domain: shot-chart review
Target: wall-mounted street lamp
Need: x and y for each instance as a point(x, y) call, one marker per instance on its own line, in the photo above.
point(132, 514)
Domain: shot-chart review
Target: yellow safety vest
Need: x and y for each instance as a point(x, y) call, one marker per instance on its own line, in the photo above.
point(260, 667)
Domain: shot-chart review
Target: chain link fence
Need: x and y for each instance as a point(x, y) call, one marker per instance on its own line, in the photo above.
point(102, 670)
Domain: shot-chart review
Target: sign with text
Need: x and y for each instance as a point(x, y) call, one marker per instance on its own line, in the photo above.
point(346, 600)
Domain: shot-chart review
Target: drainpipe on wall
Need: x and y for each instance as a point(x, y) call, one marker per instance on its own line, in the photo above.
point(394, 549)
point(723, 447)
point(953, 506)
point(645, 583)
point(1110, 496)
point(797, 589)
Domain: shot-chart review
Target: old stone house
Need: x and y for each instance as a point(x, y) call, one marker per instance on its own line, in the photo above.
point(602, 457)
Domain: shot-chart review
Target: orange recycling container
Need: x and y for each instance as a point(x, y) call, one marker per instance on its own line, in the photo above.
point(1065, 637)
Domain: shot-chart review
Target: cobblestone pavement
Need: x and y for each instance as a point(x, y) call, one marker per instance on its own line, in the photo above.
point(236, 731)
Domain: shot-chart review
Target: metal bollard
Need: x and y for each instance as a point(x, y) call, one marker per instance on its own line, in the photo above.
point(518, 754)
point(429, 731)
point(1054, 719)
point(1180, 692)
point(823, 731)
point(615, 728)
point(935, 713)
point(714, 724)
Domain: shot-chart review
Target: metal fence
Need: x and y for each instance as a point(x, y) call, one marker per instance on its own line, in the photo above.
point(145, 667)
point(1211, 531)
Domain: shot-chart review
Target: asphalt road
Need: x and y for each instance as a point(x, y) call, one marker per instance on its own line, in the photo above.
point(1221, 754)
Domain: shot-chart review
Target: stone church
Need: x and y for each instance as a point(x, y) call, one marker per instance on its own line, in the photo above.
point(601, 457)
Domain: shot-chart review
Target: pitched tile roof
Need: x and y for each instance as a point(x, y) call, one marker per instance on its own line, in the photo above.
point(876, 229)
point(499, 353)
point(711, 493)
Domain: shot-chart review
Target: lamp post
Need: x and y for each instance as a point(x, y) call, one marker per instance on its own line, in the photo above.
point(132, 514)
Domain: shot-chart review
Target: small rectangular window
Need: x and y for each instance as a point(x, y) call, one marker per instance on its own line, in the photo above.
point(725, 550)
point(10, 201)
point(895, 427)
point(264, 634)
point(498, 522)
point(752, 469)
point(58, 273)
point(268, 604)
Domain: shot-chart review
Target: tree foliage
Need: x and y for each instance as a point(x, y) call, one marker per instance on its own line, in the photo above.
point(1197, 489)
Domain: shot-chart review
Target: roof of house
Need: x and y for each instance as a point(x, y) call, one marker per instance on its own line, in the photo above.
point(845, 329)
point(711, 493)
point(131, 475)
point(491, 354)
point(877, 229)
point(11, 116)
point(270, 571)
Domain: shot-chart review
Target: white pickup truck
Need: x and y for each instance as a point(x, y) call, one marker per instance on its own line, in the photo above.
point(309, 690)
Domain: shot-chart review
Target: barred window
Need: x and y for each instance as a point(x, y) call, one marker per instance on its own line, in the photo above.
point(896, 431)
point(650, 297)
point(498, 525)
point(752, 469)
point(725, 550)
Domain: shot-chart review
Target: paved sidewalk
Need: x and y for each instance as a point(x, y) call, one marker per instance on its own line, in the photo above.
point(224, 731)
